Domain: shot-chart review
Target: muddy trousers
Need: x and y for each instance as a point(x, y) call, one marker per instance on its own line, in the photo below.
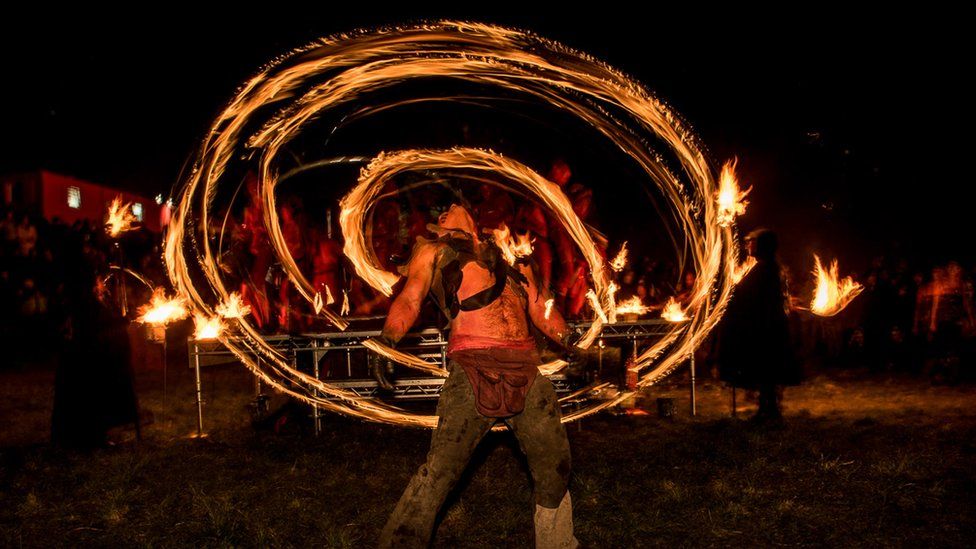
point(460, 427)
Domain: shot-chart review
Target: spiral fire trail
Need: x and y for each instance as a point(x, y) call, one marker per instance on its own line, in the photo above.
point(272, 108)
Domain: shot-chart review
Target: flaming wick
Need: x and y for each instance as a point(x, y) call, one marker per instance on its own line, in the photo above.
point(731, 201)
point(119, 218)
point(620, 261)
point(831, 295)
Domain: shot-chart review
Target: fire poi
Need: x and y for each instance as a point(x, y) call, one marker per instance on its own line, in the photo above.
point(346, 69)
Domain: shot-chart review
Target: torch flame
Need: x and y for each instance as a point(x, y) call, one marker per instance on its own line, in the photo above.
point(234, 307)
point(731, 201)
point(119, 218)
point(673, 312)
point(620, 261)
point(632, 306)
point(162, 310)
point(207, 327)
point(512, 247)
point(832, 294)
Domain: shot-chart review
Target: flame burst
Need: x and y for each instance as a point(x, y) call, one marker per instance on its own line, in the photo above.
point(831, 294)
point(207, 327)
point(673, 312)
point(162, 310)
point(119, 218)
point(731, 201)
point(632, 306)
point(620, 261)
point(513, 247)
point(233, 307)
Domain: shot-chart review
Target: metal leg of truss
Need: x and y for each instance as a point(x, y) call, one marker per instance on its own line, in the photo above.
point(316, 413)
point(196, 367)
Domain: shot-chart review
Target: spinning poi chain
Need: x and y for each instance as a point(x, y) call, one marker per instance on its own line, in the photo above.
point(340, 71)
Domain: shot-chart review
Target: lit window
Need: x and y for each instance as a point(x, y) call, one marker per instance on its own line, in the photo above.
point(74, 198)
point(137, 211)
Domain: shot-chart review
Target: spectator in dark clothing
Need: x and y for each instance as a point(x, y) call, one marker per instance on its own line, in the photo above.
point(754, 347)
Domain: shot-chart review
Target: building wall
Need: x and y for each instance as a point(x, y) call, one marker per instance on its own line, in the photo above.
point(94, 201)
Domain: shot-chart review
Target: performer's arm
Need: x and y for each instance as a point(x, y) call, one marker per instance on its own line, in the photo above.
point(406, 306)
point(554, 327)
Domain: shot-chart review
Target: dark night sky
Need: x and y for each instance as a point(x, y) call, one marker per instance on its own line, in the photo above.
point(831, 115)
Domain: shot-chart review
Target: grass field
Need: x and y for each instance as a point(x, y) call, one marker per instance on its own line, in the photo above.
point(861, 461)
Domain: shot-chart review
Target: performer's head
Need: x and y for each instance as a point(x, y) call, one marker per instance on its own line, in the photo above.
point(762, 244)
point(456, 217)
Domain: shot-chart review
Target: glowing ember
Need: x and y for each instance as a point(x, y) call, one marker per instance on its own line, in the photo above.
point(743, 269)
point(673, 312)
point(595, 304)
point(731, 201)
point(119, 218)
point(162, 310)
point(512, 247)
point(234, 307)
point(831, 295)
point(549, 303)
point(620, 261)
point(632, 306)
point(207, 327)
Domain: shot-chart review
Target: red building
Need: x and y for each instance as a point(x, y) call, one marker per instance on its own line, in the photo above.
point(52, 195)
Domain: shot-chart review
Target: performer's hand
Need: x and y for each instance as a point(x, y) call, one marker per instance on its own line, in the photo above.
point(381, 368)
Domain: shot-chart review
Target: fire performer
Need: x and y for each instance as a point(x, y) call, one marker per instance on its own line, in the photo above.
point(754, 342)
point(493, 376)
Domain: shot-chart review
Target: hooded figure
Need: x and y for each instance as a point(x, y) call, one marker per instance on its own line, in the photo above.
point(754, 340)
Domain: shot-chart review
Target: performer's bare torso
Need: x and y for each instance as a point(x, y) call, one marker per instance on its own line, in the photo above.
point(503, 318)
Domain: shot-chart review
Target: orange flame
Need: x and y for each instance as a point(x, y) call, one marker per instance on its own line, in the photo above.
point(207, 327)
point(731, 201)
point(743, 269)
point(162, 310)
point(234, 307)
point(345, 303)
point(612, 303)
point(673, 312)
point(620, 261)
point(119, 218)
point(595, 304)
point(632, 306)
point(512, 247)
point(832, 294)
